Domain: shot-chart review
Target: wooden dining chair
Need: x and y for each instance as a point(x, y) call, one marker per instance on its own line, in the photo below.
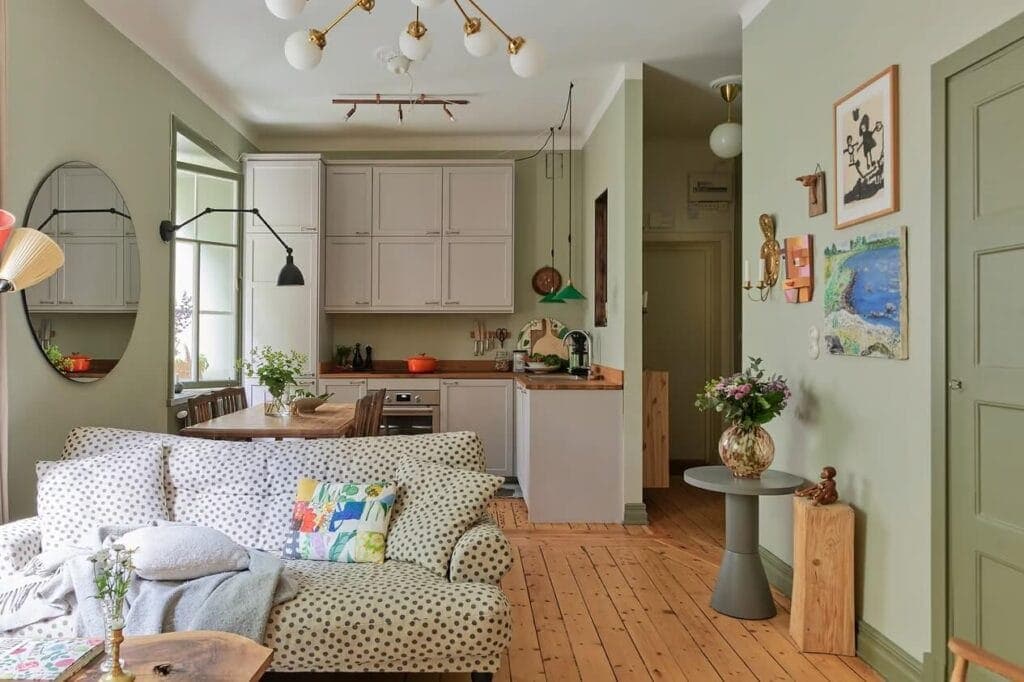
point(965, 653)
point(369, 411)
point(231, 399)
point(202, 408)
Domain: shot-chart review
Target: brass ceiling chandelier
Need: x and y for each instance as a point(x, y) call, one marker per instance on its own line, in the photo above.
point(305, 48)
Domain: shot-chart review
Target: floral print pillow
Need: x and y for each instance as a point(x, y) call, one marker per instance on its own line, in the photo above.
point(344, 522)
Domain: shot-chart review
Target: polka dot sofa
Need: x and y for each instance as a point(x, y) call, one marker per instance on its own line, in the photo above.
point(389, 617)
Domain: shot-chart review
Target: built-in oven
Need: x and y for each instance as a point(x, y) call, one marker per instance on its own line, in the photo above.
point(411, 412)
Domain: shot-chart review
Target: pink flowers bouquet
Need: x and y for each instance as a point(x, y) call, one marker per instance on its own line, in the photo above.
point(746, 399)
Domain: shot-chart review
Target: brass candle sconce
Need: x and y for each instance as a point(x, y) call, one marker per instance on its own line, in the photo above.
point(768, 263)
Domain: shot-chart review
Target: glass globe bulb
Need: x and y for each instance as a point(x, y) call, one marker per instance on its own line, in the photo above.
point(727, 140)
point(428, 4)
point(529, 60)
point(286, 9)
point(482, 43)
point(301, 52)
point(415, 49)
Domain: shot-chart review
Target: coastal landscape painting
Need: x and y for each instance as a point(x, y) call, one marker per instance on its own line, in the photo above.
point(866, 296)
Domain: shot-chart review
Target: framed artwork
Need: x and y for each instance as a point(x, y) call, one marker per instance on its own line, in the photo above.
point(866, 296)
point(799, 283)
point(866, 143)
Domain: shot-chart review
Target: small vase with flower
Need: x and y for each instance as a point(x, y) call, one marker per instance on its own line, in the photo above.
point(112, 574)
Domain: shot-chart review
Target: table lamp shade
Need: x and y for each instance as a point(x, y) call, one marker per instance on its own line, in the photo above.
point(29, 257)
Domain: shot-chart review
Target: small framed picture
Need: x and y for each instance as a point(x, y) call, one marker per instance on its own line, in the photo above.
point(867, 150)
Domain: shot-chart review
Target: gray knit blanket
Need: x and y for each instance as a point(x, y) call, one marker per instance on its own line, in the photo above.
point(234, 601)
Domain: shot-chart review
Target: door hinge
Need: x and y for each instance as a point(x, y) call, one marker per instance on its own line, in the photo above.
point(955, 385)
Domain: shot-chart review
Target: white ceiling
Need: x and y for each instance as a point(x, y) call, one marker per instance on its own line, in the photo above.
point(230, 52)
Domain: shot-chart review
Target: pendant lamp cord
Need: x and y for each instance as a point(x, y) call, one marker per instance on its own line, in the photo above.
point(568, 106)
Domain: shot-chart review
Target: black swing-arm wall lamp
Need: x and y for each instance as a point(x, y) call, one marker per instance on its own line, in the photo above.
point(62, 211)
point(290, 273)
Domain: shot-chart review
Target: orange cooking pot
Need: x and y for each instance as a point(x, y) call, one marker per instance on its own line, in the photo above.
point(79, 362)
point(421, 364)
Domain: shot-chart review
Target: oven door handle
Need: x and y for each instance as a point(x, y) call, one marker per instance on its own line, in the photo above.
point(403, 410)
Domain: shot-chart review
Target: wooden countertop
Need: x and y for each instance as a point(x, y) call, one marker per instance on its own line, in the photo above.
point(611, 379)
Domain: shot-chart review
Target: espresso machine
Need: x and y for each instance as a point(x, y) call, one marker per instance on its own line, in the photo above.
point(579, 343)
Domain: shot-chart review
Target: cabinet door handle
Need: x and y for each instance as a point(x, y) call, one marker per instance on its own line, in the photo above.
point(450, 383)
point(362, 303)
point(432, 233)
point(453, 232)
point(66, 302)
point(309, 229)
point(452, 303)
point(362, 233)
point(431, 303)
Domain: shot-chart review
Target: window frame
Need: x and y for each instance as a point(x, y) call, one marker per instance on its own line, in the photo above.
point(236, 174)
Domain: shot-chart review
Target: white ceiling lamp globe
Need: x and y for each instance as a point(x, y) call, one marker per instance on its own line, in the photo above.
point(482, 43)
point(727, 140)
point(302, 52)
point(414, 48)
point(428, 4)
point(286, 9)
point(528, 60)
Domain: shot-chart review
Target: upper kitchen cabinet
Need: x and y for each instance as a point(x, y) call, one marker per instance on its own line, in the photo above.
point(479, 200)
point(93, 276)
point(407, 274)
point(407, 200)
point(347, 280)
point(477, 274)
point(287, 192)
point(349, 201)
point(283, 317)
point(85, 187)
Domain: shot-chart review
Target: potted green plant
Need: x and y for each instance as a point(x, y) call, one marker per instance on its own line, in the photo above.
point(276, 371)
point(746, 400)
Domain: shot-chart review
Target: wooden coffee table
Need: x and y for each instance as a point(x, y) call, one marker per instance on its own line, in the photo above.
point(199, 656)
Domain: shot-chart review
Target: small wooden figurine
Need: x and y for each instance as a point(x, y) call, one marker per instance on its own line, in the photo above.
point(824, 491)
point(815, 184)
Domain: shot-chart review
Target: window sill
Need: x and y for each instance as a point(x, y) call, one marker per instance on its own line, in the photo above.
point(182, 398)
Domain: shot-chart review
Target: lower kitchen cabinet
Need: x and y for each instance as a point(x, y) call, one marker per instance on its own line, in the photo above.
point(569, 455)
point(485, 406)
point(344, 390)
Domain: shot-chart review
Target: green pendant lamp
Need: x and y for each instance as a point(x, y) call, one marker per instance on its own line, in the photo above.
point(552, 295)
point(569, 292)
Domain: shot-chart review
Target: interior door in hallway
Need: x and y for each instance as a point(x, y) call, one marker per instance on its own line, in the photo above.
point(683, 334)
point(986, 351)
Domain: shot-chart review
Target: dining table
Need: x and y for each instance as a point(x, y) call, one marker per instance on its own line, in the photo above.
point(330, 420)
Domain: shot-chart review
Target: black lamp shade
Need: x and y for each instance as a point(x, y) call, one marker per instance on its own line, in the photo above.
point(290, 274)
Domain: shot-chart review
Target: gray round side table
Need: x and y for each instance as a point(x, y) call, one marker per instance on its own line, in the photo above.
point(742, 588)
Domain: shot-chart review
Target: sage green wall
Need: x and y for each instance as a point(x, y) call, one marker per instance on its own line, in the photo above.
point(79, 90)
point(868, 417)
point(613, 161)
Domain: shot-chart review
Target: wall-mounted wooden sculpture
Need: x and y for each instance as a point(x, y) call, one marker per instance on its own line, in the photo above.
point(815, 184)
point(799, 283)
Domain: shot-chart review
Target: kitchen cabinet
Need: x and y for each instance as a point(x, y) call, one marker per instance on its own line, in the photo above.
point(477, 274)
point(287, 192)
point(347, 274)
point(479, 200)
point(407, 200)
point(132, 274)
point(570, 441)
point(92, 278)
point(406, 273)
point(348, 200)
point(344, 390)
point(87, 187)
point(285, 318)
point(486, 407)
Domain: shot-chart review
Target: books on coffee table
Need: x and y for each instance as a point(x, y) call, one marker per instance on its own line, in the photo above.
point(45, 660)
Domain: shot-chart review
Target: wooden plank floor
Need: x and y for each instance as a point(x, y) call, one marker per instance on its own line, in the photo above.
point(612, 602)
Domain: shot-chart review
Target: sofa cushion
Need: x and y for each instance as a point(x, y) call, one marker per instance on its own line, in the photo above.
point(120, 487)
point(88, 441)
point(349, 459)
point(383, 617)
point(436, 505)
point(345, 522)
point(180, 551)
point(218, 484)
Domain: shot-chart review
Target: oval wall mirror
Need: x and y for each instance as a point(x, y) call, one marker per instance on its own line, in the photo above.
point(83, 316)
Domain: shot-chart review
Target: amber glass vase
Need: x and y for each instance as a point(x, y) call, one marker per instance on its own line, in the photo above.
point(746, 451)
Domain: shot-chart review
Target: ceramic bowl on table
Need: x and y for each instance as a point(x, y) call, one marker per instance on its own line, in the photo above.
point(306, 405)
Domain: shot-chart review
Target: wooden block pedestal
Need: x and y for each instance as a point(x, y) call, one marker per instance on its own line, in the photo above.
point(822, 617)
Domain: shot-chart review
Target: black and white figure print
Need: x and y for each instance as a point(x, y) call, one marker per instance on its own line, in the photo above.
point(867, 150)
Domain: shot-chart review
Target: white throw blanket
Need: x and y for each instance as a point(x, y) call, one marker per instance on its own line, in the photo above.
point(59, 581)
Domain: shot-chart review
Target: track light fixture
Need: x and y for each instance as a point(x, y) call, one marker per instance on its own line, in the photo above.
point(401, 118)
point(422, 100)
point(482, 36)
point(351, 112)
point(451, 116)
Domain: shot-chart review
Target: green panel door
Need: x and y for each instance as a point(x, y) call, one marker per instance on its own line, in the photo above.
point(986, 352)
